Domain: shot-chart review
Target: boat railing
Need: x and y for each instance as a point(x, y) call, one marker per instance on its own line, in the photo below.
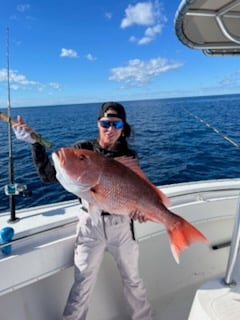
point(37, 233)
point(234, 248)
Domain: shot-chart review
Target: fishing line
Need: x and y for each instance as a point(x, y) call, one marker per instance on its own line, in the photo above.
point(221, 134)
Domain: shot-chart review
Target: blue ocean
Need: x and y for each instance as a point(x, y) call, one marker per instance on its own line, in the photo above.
point(172, 142)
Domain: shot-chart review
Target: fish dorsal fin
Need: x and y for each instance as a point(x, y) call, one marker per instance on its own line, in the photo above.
point(132, 163)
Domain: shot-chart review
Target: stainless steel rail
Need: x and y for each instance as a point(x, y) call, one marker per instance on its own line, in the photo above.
point(234, 248)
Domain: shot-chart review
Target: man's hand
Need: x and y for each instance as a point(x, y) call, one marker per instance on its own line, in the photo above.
point(22, 131)
point(138, 215)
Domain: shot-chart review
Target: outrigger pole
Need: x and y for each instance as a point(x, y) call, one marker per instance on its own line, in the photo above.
point(10, 188)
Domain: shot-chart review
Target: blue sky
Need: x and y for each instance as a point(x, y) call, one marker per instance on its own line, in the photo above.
point(74, 51)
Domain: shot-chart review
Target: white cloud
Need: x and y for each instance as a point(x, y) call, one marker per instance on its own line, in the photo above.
point(133, 39)
point(15, 78)
point(54, 85)
point(141, 14)
point(138, 71)
point(231, 79)
point(68, 53)
point(108, 15)
point(23, 7)
point(146, 14)
point(19, 81)
point(90, 57)
point(14, 87)
point(150, 34)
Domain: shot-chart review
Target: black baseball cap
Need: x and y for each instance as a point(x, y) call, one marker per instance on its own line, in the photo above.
point(116, 107)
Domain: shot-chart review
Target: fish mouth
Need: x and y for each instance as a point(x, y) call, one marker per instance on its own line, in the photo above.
point(59, 156)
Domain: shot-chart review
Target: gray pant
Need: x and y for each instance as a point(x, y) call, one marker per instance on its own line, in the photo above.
point(112, 234)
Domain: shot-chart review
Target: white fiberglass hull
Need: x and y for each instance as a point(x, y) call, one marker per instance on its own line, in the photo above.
point(37, 276)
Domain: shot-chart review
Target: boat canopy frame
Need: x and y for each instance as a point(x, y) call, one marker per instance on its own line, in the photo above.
point(212, 26)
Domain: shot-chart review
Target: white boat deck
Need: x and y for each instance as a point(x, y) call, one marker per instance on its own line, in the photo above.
point(38, 274)
point(215, 301)
point(42, 236)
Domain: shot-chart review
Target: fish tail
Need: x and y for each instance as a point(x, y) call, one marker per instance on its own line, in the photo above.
point(182, 235)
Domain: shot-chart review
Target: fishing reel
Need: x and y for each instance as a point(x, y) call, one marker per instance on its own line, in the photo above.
point(17, 189)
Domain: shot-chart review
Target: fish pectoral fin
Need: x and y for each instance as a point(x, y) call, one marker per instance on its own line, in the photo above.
point(98, 196)
point(93, 190)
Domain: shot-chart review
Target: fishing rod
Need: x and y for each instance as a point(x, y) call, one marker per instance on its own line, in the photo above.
point(221, 134)
point(34, 135)
point(12, 188)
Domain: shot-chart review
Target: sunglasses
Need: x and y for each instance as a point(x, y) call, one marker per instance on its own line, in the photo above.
point(117, 124)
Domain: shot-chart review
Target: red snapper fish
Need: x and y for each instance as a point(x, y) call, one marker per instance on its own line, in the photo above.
point(119, 186)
